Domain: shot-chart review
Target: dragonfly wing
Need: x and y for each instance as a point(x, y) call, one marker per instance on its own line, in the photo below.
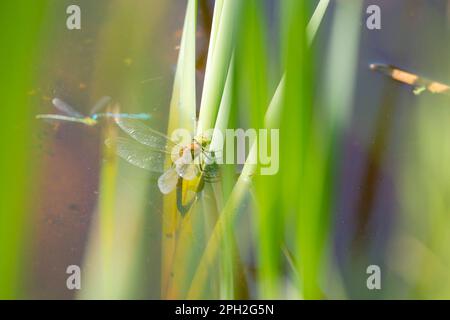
point(103, 102)
point(188, 171)
point(66, 108)
point(185, 166)
point(137, 154)
point(145, 135)
point(168, 181)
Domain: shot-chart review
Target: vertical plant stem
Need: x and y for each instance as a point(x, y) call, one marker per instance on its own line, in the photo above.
point(182, 115)
point(228, 215)
point(218, 61)
point(20, 40)
point(106, 208)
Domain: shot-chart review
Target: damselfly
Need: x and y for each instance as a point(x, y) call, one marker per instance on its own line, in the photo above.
point(420, 84)
point(150, 149)
point(72, 115)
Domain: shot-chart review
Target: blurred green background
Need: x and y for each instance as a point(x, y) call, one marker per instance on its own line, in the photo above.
point(364, 176)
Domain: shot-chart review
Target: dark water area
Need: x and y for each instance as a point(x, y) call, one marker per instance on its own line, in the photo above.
point(70, 153)
point(415, 37)
point(67, 198)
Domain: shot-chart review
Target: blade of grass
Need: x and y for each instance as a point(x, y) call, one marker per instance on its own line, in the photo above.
point(226, 220)
point(340, 77)
point(228, 215)
point(19, 35)
point(218, 61)
point(182, 115)
point(182, 105)
point(228, 261)
point(316, 19)
point(252, 86)
point(340, 66)
point(101, 250)
point(216, 70)
point(112, 250)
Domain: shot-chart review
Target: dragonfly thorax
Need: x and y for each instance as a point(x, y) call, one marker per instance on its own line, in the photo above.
point(194, 148)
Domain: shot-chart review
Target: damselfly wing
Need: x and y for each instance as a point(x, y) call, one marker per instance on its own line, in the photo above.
point(420, 84)
point(69, 110)
point(102, 103)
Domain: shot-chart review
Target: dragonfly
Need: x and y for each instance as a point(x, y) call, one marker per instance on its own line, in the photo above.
point(148, 149)
point(420, 84)
point(72, 115)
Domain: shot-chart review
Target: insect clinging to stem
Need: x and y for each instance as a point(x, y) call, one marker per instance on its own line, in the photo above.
point(149, 150)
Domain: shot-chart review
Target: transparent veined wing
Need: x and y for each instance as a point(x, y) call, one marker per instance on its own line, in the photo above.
point(58, 117)
point(168, 181)
point(66, 108)
point(138, 154)
point(185, 166)
point(146, 135)
point(103, 102)
point(188, 171)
